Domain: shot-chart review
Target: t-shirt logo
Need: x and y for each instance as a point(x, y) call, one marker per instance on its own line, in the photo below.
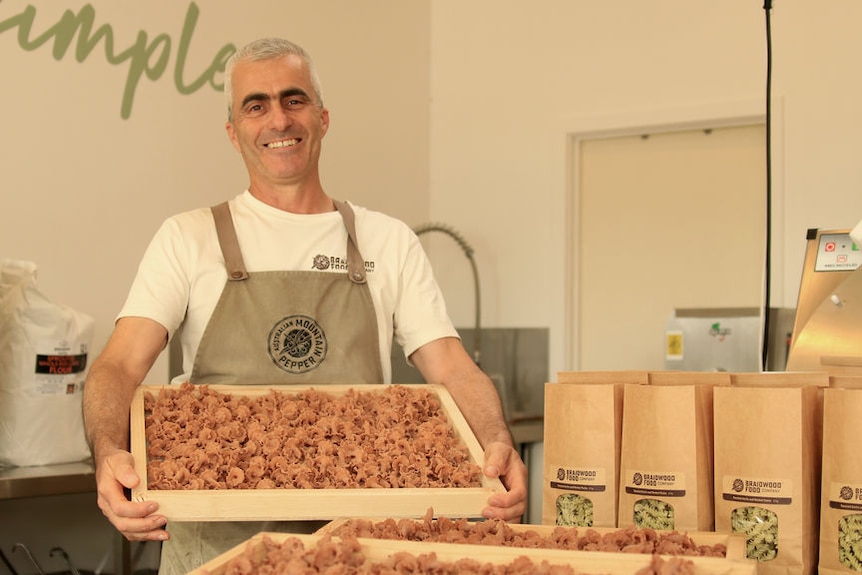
point(297, 344)
point(321, 262)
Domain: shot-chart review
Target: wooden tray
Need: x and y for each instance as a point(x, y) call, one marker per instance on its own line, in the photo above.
point(311, 504)
point(584, 562)
point(735, 542)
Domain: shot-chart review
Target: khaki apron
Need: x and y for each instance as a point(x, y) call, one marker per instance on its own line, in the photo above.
point(280, 327)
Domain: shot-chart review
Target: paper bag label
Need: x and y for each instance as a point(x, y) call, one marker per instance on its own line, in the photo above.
point(764, 491)
point(656, 484)
point(579, 479)
point(845, 496)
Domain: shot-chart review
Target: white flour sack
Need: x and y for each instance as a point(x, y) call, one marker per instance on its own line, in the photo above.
point(43, 363)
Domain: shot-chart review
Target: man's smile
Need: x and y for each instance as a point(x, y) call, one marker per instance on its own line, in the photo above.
point(282, 143)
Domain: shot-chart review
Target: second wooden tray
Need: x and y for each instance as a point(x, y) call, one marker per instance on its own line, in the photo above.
point(588, 562)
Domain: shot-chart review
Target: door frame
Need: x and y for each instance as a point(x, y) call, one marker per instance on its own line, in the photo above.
point(707, 116)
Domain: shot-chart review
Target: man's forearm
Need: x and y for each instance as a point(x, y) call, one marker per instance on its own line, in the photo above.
point(444, 361)
point(479, 402)
point(113, 378)
point(106, 409)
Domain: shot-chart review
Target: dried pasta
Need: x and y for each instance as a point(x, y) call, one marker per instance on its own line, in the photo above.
point(760, 527)
point(498, 532)
point(199, 438)
point(850, 541)
point(653, 514)
point(574, 510)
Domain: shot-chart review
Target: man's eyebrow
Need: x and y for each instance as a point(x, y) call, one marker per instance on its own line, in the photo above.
point(254, 97)
point(294, 92)
point(261, 97)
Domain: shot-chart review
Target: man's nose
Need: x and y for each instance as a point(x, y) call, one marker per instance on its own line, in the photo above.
point(281, 118)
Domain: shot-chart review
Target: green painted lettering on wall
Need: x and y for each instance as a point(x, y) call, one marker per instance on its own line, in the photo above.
point(145, 56)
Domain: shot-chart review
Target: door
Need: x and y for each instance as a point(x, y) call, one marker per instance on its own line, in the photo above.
point(663, 221)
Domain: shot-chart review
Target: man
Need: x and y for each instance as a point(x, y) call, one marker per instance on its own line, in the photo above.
point(237, 278)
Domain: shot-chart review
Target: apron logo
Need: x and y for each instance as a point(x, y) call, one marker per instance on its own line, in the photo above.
point(297, 344)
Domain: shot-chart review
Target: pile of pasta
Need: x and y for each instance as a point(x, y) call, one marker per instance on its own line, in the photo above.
point(343, 556)
point(498, 532)
point(200, 438)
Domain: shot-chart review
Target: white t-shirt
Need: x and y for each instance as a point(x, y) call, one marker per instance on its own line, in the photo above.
point(182, 273)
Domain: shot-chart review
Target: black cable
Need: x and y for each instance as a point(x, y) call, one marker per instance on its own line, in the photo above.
point(767, 7)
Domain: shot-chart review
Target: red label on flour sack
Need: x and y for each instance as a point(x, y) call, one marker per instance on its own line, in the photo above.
point(61, 364)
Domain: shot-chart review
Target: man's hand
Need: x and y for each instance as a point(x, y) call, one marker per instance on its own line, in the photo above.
point(502, 461)
point(444, 361)
point(136, 521)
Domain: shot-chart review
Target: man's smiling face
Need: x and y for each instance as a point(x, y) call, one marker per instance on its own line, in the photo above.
point(278, 123)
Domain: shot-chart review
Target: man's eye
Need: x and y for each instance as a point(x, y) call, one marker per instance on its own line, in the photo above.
point(295, 103)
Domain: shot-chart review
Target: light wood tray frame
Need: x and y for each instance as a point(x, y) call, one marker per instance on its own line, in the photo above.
point(586, 562)
point(735, 542)
point(311, 504)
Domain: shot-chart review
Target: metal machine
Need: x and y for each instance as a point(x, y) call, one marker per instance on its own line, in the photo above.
point(725, 339)
point(827, 333)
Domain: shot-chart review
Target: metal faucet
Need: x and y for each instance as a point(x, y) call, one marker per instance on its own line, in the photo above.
point(468, 251)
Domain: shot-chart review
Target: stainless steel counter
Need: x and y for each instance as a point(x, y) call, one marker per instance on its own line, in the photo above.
point(526, 432)
point(40, 481)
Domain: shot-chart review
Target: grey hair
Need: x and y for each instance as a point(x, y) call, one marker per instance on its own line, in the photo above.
point(267, 49)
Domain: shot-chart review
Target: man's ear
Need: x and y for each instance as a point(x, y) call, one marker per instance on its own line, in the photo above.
point(324, 119)
point(231, 134)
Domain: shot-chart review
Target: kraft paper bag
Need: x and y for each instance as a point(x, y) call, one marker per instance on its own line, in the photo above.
point(666, 469)
point(768, 430)
point(841, 485)
point(583, 424)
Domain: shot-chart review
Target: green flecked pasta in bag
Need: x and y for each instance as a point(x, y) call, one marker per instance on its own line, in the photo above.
point(841, 490)
point(574, 510)
point(583, 423)
point(850, 541)
point(666, 453)
point(767, 467)
point(653, 514)
point(760, 527)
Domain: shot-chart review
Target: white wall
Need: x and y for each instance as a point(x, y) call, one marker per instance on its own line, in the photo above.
point(508, 79)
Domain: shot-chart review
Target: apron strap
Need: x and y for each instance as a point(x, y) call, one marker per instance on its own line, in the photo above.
point(235, 265)
point(229, 244)
point(355, 262)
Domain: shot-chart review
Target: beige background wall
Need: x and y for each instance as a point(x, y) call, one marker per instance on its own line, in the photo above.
point(82, 190)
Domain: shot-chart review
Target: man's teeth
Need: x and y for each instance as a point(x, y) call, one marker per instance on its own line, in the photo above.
point(282, 143)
